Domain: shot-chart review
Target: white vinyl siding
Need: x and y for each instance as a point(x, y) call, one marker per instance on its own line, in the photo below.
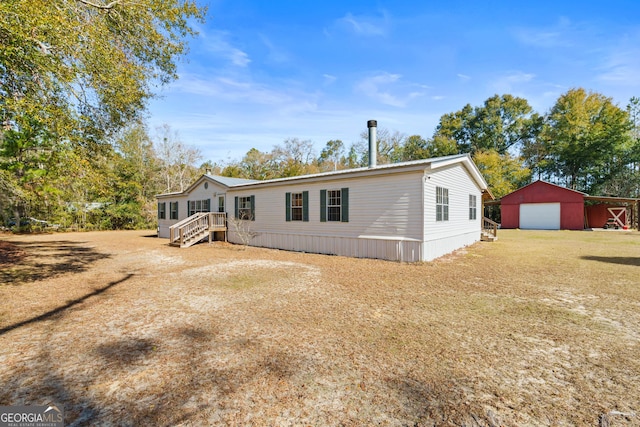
point(391, 212)
point(442, 237)
point(384, 217)
point(197, 193)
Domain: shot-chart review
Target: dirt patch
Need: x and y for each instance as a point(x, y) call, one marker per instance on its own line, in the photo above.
point(535, 329)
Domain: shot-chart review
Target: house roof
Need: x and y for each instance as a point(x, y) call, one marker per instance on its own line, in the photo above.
point(524, 189)
point(220, 180)
point(547, 183)
point(229, 182)
point(429, 164)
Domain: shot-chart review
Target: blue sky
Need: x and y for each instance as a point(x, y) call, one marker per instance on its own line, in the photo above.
point(263, 71)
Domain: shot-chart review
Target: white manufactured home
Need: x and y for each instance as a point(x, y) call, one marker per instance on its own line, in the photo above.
point(412, 211)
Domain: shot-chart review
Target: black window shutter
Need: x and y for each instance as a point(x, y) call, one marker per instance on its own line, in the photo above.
point(287, 206)
point(253, 208)
point(344, 195)
point(159, 210)
point(208, 205)
point(305, 206)
point(323, 205)
point(236, 209)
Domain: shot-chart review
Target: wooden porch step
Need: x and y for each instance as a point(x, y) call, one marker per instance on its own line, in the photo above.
point(486, 237)
point(197, 227)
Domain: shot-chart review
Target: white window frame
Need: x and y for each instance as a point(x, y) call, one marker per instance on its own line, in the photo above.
point(173, 209)
point(296, 206)
point(442, 204)
point(334, 211)
point(473, 207)
point(196, 206)
point(244, 207)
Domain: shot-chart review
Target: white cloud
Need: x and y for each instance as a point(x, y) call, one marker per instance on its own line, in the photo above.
point(562, 34)
point(621, 66)
point(463, 77)
point(379, 87)
point(371, 87)
point(230, 92)
point(276, 54)
point(365, 25)
point(216, 42)
point(329, 79)
point(509, 82)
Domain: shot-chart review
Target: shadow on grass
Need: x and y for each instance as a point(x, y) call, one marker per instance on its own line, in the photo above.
point(24, 262)
point(60, 310)
point(614, 259)
point(441, 403)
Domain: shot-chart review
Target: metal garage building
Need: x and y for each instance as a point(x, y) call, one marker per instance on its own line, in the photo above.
point(543, 206)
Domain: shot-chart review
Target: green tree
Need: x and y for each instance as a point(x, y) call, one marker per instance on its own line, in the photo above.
point(457, 127)
point(72, 74)
point(442, 146)
point(332, 155)
point(83, 69)
point(294, 158)
point(134, 176)
point(625, 181)
point(257, 165)
point(586, 137)
point(415, 148)
point(503, 123)
point(502, 172)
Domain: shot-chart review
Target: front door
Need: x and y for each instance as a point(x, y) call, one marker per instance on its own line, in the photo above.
point(220, 203)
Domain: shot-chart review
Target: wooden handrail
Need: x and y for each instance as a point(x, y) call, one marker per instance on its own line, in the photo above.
point(193, 226)
point(490, 226)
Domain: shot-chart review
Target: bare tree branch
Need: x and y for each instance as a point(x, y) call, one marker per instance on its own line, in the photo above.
point(101, 6)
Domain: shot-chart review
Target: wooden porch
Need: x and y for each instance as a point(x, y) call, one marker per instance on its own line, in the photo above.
point(196, 228)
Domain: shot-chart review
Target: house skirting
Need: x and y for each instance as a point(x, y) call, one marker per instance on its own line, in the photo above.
point(404, 250)
point(438, 247)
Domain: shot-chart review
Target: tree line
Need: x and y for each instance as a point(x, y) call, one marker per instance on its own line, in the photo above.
point(584, 142)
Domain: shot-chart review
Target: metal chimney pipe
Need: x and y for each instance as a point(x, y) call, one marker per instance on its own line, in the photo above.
point(373, 143)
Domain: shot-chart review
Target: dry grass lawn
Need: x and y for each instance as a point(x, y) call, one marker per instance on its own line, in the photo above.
point(536, 329)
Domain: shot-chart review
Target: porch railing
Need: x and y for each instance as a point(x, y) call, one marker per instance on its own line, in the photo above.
point(196, 227)
point(490, 227)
